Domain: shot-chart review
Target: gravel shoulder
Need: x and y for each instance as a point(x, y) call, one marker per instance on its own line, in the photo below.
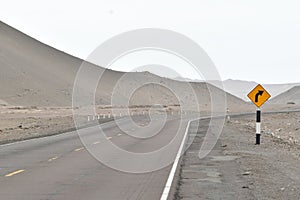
point(238, 169)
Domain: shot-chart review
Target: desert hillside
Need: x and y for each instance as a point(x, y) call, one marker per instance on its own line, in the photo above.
point(291, 96)
point(35, 74)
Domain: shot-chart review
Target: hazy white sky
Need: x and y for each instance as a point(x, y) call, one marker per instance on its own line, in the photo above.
point(247, 39)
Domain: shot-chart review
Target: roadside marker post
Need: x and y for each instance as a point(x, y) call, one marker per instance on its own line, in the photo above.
point(258, 125)
point(228, 116)
point(258, 96)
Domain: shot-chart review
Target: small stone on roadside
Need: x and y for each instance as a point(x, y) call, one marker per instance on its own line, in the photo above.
point(268, 132)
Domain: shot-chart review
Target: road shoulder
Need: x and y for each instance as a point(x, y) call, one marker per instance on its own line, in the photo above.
point(238, 169)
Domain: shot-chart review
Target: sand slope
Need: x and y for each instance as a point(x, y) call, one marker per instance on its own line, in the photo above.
point(290, 96)
point(34, 74)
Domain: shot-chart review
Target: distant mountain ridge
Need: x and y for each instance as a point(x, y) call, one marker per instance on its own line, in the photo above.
point(241, 88)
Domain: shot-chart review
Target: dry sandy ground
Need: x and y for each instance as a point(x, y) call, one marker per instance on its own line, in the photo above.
point(239, 169)
point(283, 127)
point(20, 123)
point(274, 165)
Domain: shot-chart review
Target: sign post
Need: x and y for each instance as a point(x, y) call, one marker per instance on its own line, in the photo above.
point(258, 125)
point(258, 96)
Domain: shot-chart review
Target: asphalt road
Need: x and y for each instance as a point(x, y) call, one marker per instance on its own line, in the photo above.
point(61, 167)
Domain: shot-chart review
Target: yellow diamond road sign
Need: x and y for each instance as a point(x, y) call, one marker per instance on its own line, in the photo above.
point(259, 95)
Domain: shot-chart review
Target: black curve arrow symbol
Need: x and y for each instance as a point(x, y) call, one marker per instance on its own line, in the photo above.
point(260, 93)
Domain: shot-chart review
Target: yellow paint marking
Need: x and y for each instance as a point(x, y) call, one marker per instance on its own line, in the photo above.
point(52, 159)
point(79, 149)
point(119, 134)
point(96, 142)
point(109, 138)
point(14, 173)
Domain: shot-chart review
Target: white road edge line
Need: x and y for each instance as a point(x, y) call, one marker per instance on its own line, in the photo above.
point(168, 185)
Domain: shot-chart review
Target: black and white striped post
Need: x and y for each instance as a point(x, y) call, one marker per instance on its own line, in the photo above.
point(258, 125)
point(258, 96)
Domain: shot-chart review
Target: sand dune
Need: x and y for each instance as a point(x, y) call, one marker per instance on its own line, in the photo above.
point(34, 74)
point(291, 96)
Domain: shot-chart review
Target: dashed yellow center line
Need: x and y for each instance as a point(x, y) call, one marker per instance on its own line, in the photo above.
point(14, 173)
point(109, 138)
point(119, 134)
point(96, 142)
point(52, 159)
point(79, 149)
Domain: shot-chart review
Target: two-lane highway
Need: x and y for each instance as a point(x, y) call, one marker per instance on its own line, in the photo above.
point(61, 167)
